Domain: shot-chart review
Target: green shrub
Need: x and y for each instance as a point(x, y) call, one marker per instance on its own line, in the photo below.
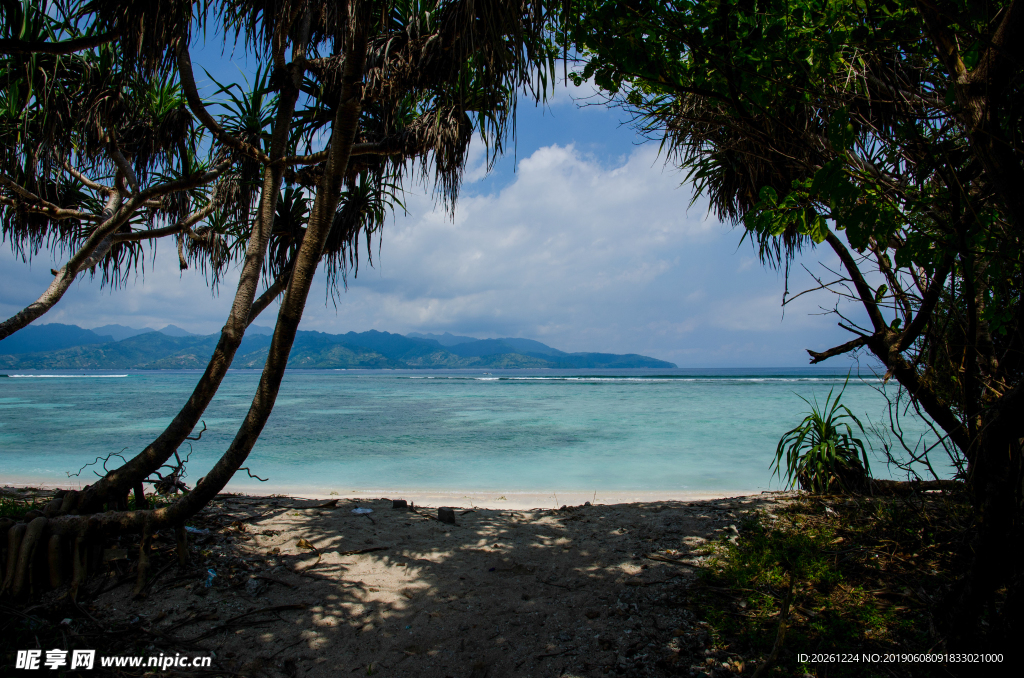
point(821, 453)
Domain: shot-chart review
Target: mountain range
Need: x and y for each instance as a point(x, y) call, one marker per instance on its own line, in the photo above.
point(116, 347)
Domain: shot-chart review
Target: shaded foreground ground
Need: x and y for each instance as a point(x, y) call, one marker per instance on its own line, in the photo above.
point(502, 593)
point(309, 588)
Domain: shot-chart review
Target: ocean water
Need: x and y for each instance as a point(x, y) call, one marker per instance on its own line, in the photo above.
point(673, 431)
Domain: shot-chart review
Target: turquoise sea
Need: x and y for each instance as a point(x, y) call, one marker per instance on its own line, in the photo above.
point(678, 431)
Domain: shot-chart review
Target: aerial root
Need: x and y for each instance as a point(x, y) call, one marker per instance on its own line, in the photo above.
point(70, 502)
point(37, 555)
point(140, 497)
point(15, 535)
point(182, 538)
point(79, 561)
point(26, 556)
point(144, 543)
point(55, 560)
point(5, 525)
point(52, 509)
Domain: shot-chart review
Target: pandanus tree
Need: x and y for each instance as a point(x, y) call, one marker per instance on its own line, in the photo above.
point(890, 133)
point(353, 99)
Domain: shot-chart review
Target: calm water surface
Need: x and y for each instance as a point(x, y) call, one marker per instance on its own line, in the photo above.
point(661, 430)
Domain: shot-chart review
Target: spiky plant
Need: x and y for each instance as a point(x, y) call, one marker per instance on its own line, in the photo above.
point(822, 454)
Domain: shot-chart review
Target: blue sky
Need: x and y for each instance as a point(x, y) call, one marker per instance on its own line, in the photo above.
point(582, 240)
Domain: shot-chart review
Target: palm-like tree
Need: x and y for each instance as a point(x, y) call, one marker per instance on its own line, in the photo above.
point(363, 95)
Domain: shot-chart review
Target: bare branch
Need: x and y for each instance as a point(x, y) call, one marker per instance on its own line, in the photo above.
point(182, 225)
point(123, 166)
point(838, 350)
point(252, 475)
point(57, 48)
point(924, 311)
point(863, 290)
point(51, 211)
point(198, 435)
point(86, 180)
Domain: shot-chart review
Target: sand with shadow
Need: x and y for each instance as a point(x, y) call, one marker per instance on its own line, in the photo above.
point(309, 588)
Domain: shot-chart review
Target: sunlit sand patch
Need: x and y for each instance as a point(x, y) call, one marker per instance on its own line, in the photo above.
point(532, 592)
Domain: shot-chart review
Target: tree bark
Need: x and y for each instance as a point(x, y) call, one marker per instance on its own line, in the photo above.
point(160, 450)
point(97, 245)
point(345, 126)
point(81, 261)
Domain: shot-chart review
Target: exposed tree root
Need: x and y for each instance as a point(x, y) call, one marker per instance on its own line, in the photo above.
point(55, 560)
point(143, 571)
point(26, 554)
point(182, 538)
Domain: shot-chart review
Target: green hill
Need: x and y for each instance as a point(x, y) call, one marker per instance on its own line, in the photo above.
point(312, 350)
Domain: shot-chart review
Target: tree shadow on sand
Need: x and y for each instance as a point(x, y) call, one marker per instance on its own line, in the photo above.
point(301, 588)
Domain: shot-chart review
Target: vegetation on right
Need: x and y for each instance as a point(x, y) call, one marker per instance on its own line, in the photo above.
point(888, 133)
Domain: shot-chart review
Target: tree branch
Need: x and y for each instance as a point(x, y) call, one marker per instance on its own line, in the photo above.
point(95, 248)
point(838, 350)
point(57, 48)
point(123, 166)
point(188, 87)
point(924, 311)
point(182, 225)
point(357, 149)
point(94, 185)
point(863, 290)
point(52, 211)
point(98, 244)
point(268, 297)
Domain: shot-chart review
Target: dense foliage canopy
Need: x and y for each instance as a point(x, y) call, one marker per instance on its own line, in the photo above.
point(890, 132)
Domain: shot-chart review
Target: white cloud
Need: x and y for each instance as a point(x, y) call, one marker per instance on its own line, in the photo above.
point(582, 254)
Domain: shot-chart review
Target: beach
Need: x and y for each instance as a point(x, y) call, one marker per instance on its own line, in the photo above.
point(286, 586)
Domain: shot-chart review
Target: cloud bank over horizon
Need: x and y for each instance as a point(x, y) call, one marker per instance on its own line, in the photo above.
point(579, 251)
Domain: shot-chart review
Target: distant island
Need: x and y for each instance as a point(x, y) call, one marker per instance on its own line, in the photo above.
point(116, 347)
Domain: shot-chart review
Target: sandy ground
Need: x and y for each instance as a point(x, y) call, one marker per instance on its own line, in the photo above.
point(434, 497)
point(580, 591)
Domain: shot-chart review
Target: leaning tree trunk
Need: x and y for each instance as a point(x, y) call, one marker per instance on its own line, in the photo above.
point(90, 254)
point(116, 483)
point(997, 494)
point(74, 534)
point(114, 215)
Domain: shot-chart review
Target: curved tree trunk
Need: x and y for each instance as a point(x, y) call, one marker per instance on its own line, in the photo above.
point(346, 123)
point(117, 482)
point(79, 529)
point(98, 243)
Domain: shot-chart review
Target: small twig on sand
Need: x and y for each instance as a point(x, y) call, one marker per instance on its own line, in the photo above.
point(266, 610)
point(277, 581)
point(287, 647)
point(144, 591)
point(560, 586)
point(554, 654)
point(360, 551)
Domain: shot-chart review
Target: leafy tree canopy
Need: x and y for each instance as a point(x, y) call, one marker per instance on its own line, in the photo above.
point(887, 131)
